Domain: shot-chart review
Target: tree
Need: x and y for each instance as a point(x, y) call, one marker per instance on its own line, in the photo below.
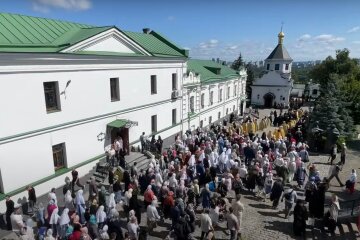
point(331, 110)
point(345, 73)
point(239, 62)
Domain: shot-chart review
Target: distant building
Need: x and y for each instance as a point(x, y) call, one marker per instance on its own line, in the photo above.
point(275, 85)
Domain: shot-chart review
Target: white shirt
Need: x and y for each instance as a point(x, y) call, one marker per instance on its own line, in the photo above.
point(206, 223)
point(152, 213)
point(16, 221)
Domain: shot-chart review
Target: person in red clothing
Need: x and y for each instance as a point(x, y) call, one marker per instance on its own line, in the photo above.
point(76, 234)
point(50, 209)
point(168, 204)
point(148, 196)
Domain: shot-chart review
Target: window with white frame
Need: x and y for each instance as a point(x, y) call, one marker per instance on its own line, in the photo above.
point(202, 100)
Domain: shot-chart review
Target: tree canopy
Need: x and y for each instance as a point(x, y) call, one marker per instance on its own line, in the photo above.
point(344, 73)
point(239, 62)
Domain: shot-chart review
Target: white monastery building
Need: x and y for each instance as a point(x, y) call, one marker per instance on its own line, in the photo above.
point(275, 85)
point(68, 89)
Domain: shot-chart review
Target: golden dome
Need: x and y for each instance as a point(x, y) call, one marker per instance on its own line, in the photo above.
point(281, 36)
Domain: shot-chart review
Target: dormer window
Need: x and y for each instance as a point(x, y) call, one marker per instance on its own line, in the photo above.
point(268, 67)
point(277, 67)
point(286, 66)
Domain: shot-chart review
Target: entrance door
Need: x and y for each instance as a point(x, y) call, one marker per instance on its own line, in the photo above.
point(124, 134)
point(269, 100)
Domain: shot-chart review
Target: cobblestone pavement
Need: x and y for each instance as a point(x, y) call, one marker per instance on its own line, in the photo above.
point(260, 221)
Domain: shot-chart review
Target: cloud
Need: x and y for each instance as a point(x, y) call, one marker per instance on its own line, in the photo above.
point(170, 18)
point(328, 39)
point(304, 37)
point(44, 6)
point(356, 42)
point(212, 43)
point(354, 29)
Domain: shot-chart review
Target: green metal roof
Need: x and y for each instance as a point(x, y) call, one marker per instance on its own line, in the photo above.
point(118, 123)
point(19, 33)
point(210, 71)
point(153, 44)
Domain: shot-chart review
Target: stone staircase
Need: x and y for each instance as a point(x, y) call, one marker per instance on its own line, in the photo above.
point(101, 170)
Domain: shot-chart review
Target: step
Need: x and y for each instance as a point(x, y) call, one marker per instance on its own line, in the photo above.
point(99, 175)
point(353, 227)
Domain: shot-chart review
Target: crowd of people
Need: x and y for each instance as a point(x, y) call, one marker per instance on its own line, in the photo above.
point(201, 172)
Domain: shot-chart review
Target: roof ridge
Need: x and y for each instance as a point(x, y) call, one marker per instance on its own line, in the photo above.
point(23, 15)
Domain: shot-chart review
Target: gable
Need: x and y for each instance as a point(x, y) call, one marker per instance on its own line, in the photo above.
point(273, 78)
point(110, 41)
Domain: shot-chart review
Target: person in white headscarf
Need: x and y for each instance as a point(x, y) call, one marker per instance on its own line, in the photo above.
point(49, 235)
point(69, 201)
point(80, 205)
point(192, 161)
point(104, 232)
point(101, 216)
point(292, 169)
point(52, 196)
point(111, 202)
point(64, 223)
point(54, 221)
point(222, 160)
point(158, 178)
point(173, 182)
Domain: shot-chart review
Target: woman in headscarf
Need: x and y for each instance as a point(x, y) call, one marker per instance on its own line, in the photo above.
point(133, 228)
point(49, 235)
point(76, 234)
point(269, 181)
point(101, 216)
point(111, 202)
point(332, 215)
point(300, 175)
point(102, 196)
point(300, 217)
point(104, 233)
point(69, 202)
point(64, 223)
point(80, 205)
point(148, 196)
point(54, 221)
point(93, 227)
point(350, 184)
point(85, 234)
point(50, 209)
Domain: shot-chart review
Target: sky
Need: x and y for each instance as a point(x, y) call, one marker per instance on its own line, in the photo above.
point(314, 29)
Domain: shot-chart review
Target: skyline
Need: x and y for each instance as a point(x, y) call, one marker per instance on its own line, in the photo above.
point(213, 29)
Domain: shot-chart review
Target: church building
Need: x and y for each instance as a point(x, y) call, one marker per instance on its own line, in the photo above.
point(274, 87)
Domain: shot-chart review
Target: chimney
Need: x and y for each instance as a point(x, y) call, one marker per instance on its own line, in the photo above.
point(146, 30)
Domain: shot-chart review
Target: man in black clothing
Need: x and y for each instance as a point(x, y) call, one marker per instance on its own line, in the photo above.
point(75, 180)
point(9, 211)
point(31, 198)
point(142, 142)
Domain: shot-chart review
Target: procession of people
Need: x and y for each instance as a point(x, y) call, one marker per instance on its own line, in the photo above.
point(201, 176)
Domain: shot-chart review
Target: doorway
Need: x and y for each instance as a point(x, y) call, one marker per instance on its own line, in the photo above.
point(122, 132)
point(269, 100)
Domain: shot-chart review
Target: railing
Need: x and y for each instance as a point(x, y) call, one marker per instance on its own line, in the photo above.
point(349, 208)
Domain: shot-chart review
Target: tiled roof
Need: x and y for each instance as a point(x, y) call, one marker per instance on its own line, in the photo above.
point(279, 52)
point(19, 33)
point(210, 71)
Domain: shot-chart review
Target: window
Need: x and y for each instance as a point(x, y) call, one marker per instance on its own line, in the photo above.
point(286, 66)
point(174, 116)
point(52, 97)
point(59, 156)
point(211, 98)
point(268, 66)
point(235, 91)
point(220, 95)
point(174, 81)
point(153, 84)
point(202, 100)
point(227, 111)
point(154, 123)
point(210, 119)
point(314, 91)
point(114, 89)
point(201, 123)
point(277, 67)
point(192, 105)
point(228, 93)
point(219, 115)
point(233, 107)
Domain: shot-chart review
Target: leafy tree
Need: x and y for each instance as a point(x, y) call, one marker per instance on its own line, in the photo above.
point(346, 72)
point(239, 62)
